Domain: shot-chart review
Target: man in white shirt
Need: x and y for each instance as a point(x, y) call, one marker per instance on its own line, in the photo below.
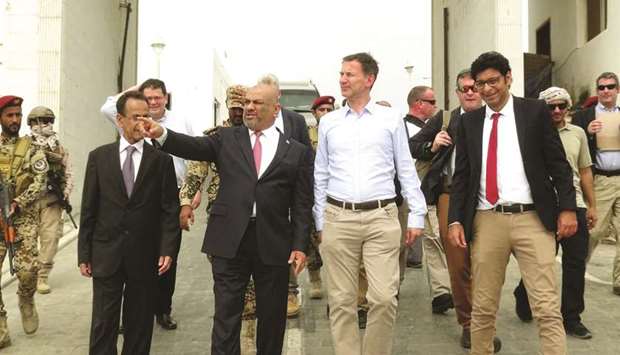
point(157, 96)
point(606, 167)
point(361, 148)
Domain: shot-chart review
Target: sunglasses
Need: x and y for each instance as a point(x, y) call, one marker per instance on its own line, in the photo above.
point(432, 102)
point(466, 88)
point(561, 106)
point(608, 86)
point(44, 120)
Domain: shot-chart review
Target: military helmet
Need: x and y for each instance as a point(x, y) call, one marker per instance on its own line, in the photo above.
point(41, 112)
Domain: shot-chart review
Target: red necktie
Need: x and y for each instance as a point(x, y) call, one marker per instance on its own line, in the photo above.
point(258, 151)
point(492, 194)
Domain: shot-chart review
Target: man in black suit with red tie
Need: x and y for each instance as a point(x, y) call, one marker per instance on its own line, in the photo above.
point(128, 231)
point(260, 221)
point(512, 193)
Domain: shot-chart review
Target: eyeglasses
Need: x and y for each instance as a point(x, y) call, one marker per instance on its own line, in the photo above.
point(432, 102)
point(324, 109)
point(466, 88)
point(561, 106)
point(608, 86)
point(491, 82)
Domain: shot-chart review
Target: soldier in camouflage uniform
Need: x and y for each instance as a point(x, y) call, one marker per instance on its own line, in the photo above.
point(197, 173)
point(24, 170)
point(59, 186)
point(320, 106)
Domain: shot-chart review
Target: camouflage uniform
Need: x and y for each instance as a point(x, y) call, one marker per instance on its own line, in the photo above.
point(28, 181)
point(197, 172)
point(314, 258)
point(60, 179)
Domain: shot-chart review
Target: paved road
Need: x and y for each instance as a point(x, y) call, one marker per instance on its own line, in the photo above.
point(65, 314)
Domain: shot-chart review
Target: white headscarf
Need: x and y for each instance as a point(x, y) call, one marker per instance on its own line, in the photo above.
point(556, 93)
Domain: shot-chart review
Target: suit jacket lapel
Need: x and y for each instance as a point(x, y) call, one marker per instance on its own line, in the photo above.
point(287, 125)
point(243, 142)
point(478, 125)
point(283, 146)
point(148, 154)
point(115, 169)
point(521, 122)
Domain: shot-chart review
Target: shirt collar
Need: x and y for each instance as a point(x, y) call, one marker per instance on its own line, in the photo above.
point(123, 144)
point(508, 108)
point(601, 108)
point(269, 133)
point(370, 108)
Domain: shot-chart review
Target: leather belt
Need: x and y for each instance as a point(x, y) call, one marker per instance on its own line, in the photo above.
point(367, 205)
point(607, 173)
point(515, 208)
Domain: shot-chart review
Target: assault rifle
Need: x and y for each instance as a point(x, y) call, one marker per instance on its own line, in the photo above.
point(6, 220)
point(54, 188)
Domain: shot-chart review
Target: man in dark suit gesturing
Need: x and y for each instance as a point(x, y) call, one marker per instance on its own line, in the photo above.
point(260, 220)
point(509, 165)
point(128, 186)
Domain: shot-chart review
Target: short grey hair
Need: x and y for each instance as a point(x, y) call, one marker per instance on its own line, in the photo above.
point(271, 80)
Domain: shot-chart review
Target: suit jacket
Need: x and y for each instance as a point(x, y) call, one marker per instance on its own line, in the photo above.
point(582, 119)
point(295, 127)
point(422, 143)
point(283, 193)
point(544, 161)
point(117, 231)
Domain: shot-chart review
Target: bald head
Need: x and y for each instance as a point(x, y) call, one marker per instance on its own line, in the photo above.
point(261, 107)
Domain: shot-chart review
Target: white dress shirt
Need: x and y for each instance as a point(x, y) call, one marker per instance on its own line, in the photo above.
point(358, 156)
point(136, 156)
point(610, 159)
point(176, 124)
point(512, 182)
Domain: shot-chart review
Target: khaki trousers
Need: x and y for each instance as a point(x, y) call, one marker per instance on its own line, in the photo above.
point(50, 231)
point(403, 212)
point(349, 238)
point(459, 266)
point(435, 256)
point(607, 195)
point(496, 236)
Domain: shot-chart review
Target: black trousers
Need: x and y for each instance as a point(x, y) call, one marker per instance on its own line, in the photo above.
point(231, 277)
point(136, 296)
point(574, 255)
point(166, 284)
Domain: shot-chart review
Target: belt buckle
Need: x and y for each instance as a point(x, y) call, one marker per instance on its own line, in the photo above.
point(505, 212)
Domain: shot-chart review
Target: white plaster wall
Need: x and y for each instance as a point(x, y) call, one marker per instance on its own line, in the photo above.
point(476, 27)
point(577, 62)
point(91, 43)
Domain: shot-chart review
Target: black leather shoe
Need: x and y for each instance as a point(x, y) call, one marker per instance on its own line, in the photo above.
point(166, 321)
point(578, 331)
point(466, 341)
point(442, 303)
point(362, 317)
point(522, 305)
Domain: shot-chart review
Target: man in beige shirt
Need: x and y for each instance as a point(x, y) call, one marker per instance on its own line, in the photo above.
point(574, 249)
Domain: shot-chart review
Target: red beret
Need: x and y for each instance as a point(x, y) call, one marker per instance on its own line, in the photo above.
point(322, 100)
point(10, 100)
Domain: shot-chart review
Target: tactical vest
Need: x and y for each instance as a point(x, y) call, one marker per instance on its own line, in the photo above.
point(11, 165)
point(313, 132)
